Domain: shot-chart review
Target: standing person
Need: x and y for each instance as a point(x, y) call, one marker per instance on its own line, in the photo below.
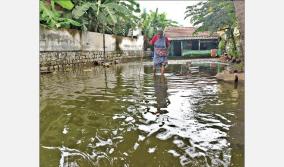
point(161, 44)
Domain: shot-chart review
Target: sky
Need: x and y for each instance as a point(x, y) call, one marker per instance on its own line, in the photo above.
point(174, 9)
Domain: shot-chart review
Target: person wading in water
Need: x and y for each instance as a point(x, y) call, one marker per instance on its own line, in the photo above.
point(161, 44)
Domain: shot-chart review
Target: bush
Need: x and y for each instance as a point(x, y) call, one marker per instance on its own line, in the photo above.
point(238, 67)
point(221, 45)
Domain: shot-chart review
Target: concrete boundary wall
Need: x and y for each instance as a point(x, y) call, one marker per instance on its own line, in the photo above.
point(67, 48)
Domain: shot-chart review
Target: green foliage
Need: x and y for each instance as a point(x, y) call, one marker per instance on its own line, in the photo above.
point(232, 52)
point(222, 45)
point(237, 67)
point(66, 4)
point(213, 16)
point(110, 16)
point(152, 21)
point(52, 18)
point(79, 11)
point(132, 5)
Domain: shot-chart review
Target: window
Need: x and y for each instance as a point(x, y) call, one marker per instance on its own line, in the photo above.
point(208, 44)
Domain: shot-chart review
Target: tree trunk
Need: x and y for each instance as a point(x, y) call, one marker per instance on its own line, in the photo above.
point(96, 25)
point(240, 13)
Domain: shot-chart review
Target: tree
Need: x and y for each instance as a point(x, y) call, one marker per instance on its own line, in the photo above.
point(213, 16)
point(240, 13)
point(110, 16)
point(127, 23)
point(103, 15)
point(152, 21)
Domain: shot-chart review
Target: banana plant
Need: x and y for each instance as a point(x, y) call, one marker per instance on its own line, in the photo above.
point(52, 18)
point(65, 4)
point(101, 15)
point(153, 21)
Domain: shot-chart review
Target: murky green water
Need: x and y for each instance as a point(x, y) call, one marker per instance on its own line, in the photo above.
point(123, 116)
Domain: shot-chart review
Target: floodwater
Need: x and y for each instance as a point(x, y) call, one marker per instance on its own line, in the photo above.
point(124, 116)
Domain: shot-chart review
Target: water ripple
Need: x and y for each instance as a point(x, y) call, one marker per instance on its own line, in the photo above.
point(114, 117)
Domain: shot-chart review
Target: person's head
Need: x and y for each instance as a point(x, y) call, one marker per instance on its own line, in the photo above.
point(160, 32)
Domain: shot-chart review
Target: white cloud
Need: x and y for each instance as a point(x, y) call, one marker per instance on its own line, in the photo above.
point(174, 9)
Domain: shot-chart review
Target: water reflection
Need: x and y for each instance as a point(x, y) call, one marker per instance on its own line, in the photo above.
point(161, 94)
point(235, 85)
point(114, 117)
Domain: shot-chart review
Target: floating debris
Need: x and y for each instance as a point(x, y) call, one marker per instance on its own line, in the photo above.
point(65, 130)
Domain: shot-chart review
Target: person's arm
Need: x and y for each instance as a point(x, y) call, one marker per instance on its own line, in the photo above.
point(153, 40)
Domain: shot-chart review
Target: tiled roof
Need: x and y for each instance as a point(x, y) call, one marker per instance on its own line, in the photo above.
point(186, 33)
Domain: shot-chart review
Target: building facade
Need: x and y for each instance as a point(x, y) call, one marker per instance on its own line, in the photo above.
point(184, 42)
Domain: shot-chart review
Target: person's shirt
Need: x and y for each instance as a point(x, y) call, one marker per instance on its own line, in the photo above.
point(156, 37)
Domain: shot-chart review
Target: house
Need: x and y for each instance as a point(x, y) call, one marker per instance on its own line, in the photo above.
point(184, 42)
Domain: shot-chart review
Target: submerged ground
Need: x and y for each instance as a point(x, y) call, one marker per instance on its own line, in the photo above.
point(124, 116)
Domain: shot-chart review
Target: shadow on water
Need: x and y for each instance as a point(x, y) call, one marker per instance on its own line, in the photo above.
point(115, 117)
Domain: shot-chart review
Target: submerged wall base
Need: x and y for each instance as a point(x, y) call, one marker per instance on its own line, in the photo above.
point(55, 60)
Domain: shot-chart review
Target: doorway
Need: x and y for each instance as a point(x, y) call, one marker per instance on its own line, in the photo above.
point(177, 48)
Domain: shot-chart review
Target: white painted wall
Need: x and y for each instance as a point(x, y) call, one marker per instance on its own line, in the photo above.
point(132, 44)
point(59, 40)
point(74, 40)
